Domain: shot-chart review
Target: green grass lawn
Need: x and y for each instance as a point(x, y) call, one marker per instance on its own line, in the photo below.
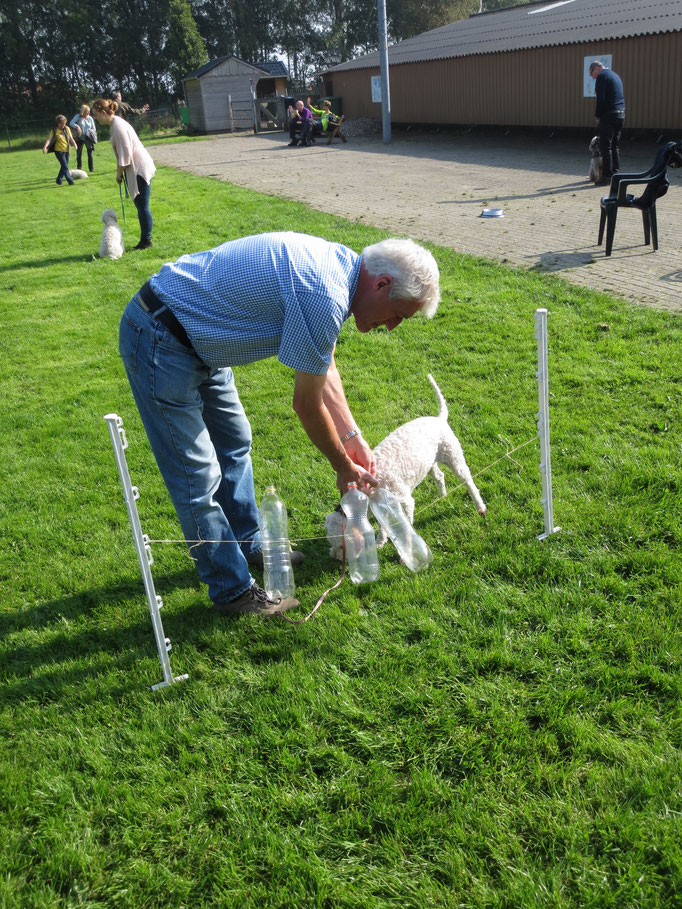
point(502, 730)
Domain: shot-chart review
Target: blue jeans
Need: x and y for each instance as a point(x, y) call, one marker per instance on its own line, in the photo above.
point(201, 440)
point(144, 214)
point(63, 158)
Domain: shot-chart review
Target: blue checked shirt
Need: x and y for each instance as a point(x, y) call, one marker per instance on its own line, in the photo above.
point(277, 294)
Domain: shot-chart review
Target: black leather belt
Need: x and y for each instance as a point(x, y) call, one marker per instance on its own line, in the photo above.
point(157, 308)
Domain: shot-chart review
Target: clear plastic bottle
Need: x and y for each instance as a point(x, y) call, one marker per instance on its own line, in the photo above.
point(390, 514)
point(278, 575)
point(361, 544)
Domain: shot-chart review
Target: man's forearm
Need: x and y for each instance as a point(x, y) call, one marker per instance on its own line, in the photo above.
point(311, 396)
point(321, 431)
point(334, 398)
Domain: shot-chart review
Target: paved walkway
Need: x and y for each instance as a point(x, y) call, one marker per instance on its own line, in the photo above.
point(434, 187)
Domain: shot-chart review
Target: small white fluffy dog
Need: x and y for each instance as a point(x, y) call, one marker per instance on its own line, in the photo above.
point(404, 458)
point(597, 161)
point(78, 174)
point(111, 246)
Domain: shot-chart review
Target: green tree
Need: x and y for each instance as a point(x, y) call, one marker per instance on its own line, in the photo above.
point(350, 27)
point(296, 23)
point(240, 27)
point(408, 18)
point(137, 64)
point(24, 26)
point(185, 48)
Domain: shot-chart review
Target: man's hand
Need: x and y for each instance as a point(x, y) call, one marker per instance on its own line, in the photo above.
point(361, 454)
point(354, 474)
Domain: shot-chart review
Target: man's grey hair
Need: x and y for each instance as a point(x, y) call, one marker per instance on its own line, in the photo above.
point(413, 269)
point(596, 63)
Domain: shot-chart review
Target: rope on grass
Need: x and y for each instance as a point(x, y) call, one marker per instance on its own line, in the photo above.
point(507, 454)
point(323, 597)
point(193, 543)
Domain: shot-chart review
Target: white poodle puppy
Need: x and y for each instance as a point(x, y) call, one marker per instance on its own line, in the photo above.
point(111, 246)
point(78, 174)
point(404, 458)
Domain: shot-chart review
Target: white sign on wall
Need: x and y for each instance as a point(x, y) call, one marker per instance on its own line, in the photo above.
point(376, 89)
point(588, 81)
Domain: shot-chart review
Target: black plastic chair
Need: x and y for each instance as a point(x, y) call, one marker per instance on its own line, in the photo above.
point(656, 185)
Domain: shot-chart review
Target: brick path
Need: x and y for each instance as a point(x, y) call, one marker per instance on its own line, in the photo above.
point(434, 188)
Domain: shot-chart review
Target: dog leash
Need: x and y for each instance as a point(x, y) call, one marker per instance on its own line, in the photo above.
point(123, 182)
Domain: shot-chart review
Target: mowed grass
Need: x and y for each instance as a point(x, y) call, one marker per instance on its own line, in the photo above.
point(503, 730)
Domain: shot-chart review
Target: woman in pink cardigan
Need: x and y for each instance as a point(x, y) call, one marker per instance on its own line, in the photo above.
point(134, 164)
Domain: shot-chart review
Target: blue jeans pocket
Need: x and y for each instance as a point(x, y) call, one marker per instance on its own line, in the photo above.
point(129, 342)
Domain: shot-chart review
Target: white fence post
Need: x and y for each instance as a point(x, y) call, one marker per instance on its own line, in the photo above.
point(144, 551)
point(543, 423)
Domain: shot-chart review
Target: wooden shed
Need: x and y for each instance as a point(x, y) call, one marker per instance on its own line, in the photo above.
point(527, 66)
point(218, 94)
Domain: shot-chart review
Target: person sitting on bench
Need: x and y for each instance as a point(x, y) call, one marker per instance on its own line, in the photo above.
point(301, 122)
point(326, 115)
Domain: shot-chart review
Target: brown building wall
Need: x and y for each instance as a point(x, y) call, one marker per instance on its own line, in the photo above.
point(542, 87)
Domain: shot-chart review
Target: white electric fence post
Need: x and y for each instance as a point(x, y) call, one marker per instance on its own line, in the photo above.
point(543, 423)
point(143, 547)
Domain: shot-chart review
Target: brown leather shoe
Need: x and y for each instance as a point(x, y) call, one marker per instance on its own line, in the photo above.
point(255, 601)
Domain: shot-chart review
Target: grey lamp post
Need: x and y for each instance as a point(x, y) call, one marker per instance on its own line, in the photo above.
point(383, 69)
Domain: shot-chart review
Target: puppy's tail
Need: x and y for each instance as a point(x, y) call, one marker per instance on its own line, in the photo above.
point(443, 412)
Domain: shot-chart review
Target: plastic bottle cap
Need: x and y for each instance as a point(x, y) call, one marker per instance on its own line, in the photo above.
point(352, 485)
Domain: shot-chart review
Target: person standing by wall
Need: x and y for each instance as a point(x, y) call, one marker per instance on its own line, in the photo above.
point(58, 142)
point(86, 135)
point(609, 114)
point(134, 162)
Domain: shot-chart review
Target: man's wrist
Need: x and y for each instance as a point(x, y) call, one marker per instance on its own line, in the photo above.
point(351, 434)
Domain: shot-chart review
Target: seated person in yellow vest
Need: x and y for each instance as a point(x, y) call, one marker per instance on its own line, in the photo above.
point(326, 115)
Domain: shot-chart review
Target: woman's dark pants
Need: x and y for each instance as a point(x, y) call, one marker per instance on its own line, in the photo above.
point(142, 205)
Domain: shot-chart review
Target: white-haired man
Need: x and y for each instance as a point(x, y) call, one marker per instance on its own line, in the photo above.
point(279, 294)
point(300, 125)
point(609, 115)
